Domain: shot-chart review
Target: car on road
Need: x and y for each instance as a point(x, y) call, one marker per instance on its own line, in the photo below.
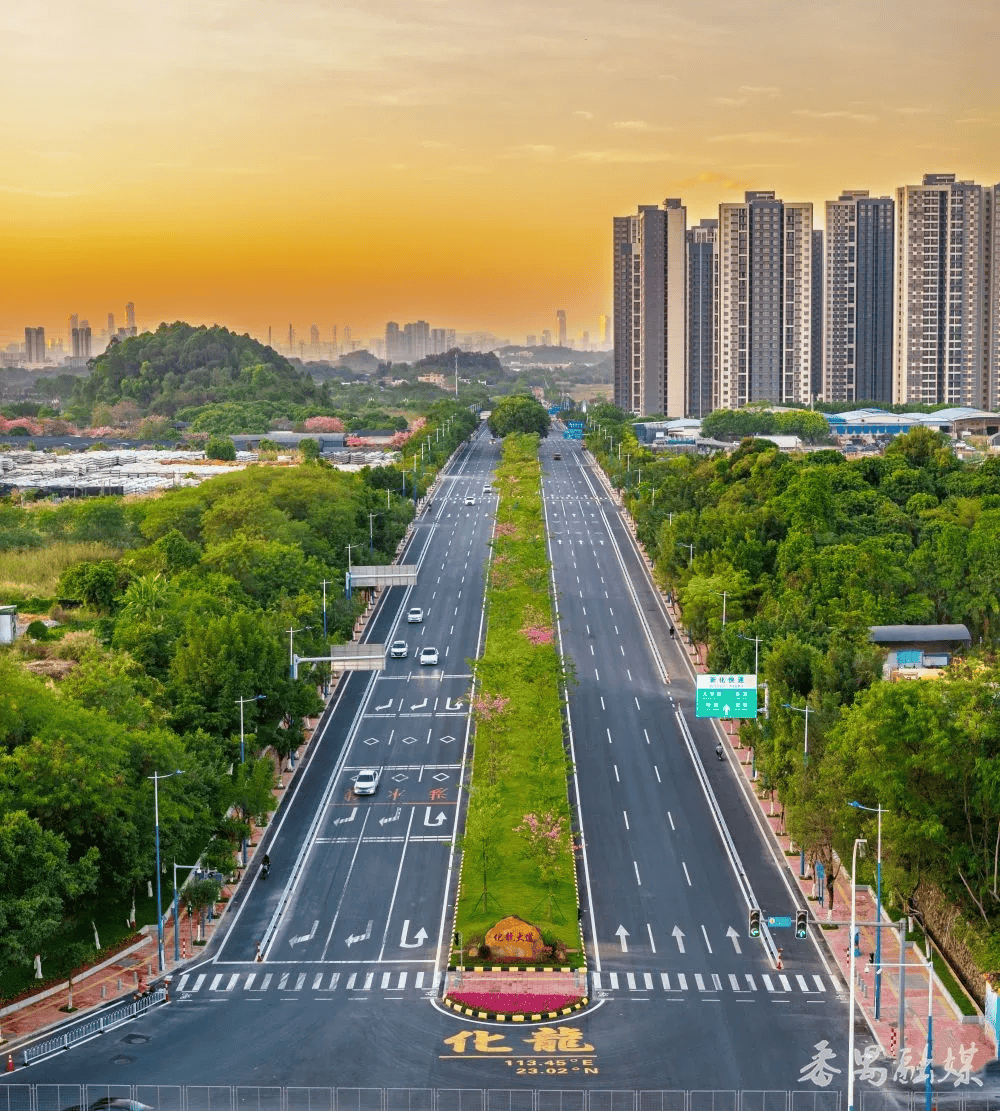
point(487, 489)
point(399, 650)
point(428, 657)
point(415, 615)
point(556, 455)
point(366, 781)
point(469, 499)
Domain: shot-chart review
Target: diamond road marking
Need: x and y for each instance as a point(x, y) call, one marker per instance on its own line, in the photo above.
point(441, 777)
point(371, 740)
point(447, 740)
point(399, 777)
point(409, 740)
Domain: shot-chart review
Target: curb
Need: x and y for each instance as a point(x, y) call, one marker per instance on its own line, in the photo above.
point(514, 1016)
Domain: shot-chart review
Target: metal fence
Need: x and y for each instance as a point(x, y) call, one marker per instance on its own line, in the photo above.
point(106, 1020)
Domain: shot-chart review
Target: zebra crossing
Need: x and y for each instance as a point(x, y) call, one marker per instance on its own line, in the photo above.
point(365, 981)
point(712, 983)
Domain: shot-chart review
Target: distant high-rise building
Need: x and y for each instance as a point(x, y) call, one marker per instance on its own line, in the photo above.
point(765, 301)
point(347, 338)
point(585, 341)
point(393, 343)
point(439, 341)
point(546, 337)
point(336, 350)
point(650, 310)
point(604, 324)
point(314, 337)
point(530, 341)
point(111, 324)
point(130, 318)
point(561, 318)
point(857, 360)
point(34, 346)
point(416, 340)
point(945, 293)
point(73, 324)
point(816, 351)
point(81, 342)
point(702, 317)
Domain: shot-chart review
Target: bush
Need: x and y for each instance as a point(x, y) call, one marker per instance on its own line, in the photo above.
point(37, 630)
point(220, 447)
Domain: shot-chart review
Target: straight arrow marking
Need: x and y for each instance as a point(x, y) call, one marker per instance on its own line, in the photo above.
point(734, 937)
point(621, 933)
point(678, 936)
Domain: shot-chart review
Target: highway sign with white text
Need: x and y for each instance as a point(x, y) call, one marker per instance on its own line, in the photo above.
point(726, 696)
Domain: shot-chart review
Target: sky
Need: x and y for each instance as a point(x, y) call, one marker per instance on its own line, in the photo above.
point(266, 162)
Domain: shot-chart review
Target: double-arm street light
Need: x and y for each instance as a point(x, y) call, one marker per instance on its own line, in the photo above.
point(291, 650)
point(241, 701)
point(156, 777)
point(878, 905)
point(850, 1014)
point(325, 583)
point(756, 649)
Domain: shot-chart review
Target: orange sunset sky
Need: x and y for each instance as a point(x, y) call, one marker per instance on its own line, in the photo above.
point(256, 162)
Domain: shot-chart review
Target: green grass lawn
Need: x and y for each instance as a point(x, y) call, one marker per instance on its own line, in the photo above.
point(519, 765)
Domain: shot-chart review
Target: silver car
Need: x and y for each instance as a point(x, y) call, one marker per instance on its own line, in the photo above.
point(428, 657)
point(399, 650)
point(415, 615)
point(367, 780)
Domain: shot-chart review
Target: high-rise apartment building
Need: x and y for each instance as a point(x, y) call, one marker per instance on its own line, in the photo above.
point(765, 301)
point(72, 325)
point(561, 318)
point(111, 324)
point(393, 343)
point(992, 267)
point(130, 318)
point(546, 337)
point(314, 336)
point(858, 316)
point(816, 351)
point(604, 324)
point(34, 346)
point(650, 310)
point(945, 269)
point(81, 342)
point(416, 341)
point(702, 317)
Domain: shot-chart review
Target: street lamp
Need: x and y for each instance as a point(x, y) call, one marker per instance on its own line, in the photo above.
point(878, 905)
point(291, 651)
point(690, 548)
point(177, 921)
point(156, 777)
point(325, 583)
point(807, 711)
point(722, 594)
point(850, 1014)
point(255, 698)
point(756, 649)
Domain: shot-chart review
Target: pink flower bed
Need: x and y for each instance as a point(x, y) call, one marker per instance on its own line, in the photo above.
point(508, 1003)
point(538, 634)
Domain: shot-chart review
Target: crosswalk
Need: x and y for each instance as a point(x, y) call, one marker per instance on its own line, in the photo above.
point(712, 983)
point(406, 981)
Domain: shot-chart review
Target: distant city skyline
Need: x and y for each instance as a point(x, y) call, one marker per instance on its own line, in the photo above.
point(307, 162)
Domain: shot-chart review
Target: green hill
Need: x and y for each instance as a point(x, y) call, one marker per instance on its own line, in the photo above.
point(179, 366)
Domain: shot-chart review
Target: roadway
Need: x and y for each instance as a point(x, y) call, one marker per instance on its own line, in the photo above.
point(352, 924)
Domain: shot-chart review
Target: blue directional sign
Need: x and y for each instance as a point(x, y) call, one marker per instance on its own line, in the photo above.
point(726, 696)
point(779, 921)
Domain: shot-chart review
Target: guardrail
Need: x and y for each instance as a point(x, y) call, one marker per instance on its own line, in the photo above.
point(107, 1020)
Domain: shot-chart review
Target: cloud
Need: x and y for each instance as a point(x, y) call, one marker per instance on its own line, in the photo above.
point(21, 191)
point(583, 114)
point(622, 157)
point(711, 177)
point(913, 110)
point(531, 150)
point(974, 119)
point(835, 114)
point(435, 144)
point(730, 101)
point(632, 125)
point(760, 137)
point(761, 90)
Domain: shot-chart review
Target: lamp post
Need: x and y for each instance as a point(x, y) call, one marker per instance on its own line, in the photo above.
point(756, 649)
point(807, 711)
point(722, 594)
point(690, 548)
point(243, 846)
point(850, 1014)
point(878, 905)
point(291, 650)
point(156, 777)
point(325, 583)
point(371, 534)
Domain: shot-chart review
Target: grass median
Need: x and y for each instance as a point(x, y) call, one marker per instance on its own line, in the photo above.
point(517, 854)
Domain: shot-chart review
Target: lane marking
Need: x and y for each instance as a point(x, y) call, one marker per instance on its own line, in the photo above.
point(652, 943)
point(615, 766)
point(669, 815)
point(637, 879)
point(686, 875)
point(624, 812)
point(704, 934)
point(657, 770)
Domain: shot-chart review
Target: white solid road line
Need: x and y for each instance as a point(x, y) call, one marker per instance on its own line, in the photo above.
point(686, 876)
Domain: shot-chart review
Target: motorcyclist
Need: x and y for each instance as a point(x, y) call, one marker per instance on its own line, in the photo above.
point(719, 752)
point(265, 864)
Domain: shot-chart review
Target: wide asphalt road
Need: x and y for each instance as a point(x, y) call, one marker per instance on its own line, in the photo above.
point(352, 924)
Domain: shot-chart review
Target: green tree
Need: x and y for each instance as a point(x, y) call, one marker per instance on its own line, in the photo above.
point(220, 447)
point(519, 413)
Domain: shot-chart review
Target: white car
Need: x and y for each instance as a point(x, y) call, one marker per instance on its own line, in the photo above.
point(367, 780)
point(428, 657)
point(399, 650)
point(487, 489)
point(469, 499)
point(415, 615)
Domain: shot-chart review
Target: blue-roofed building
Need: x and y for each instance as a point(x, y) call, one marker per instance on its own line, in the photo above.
point(879, 422)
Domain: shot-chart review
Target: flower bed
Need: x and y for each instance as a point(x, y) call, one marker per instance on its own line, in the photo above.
point(506, 1003)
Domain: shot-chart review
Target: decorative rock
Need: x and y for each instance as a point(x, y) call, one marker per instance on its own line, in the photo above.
point(514, 939)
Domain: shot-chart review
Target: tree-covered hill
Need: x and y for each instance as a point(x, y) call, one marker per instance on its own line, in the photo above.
point(178, 366)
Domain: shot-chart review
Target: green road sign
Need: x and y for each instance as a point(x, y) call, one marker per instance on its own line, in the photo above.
point(726, 696)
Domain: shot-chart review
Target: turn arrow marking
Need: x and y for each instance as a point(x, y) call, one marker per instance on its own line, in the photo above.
point(394, 818)
point(293, 941)
point(438, 821)
point(349, 818)
point(360, 937)
point(420, 935)
point(418, 705)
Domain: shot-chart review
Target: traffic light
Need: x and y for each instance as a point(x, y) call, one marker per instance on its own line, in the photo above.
point(801, 924)
point(754, 923)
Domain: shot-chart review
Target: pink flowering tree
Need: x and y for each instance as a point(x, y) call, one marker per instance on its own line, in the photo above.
point(545, 839)
point(323, 424)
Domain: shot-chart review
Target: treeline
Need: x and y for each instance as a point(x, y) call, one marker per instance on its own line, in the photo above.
point(156, 644)
point(810, 550)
